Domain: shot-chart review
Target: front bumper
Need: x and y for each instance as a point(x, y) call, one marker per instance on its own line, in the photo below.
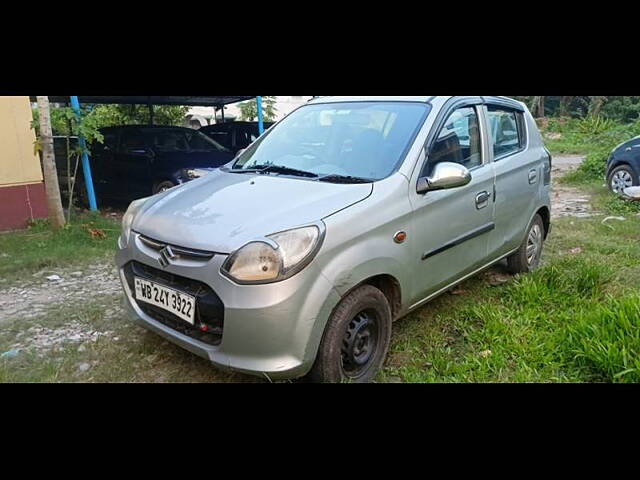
point(269, 330)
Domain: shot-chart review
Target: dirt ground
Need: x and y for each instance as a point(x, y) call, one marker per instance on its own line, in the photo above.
point(32, 299)
point(565, 200)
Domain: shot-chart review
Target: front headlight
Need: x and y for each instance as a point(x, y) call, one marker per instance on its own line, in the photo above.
point(283, 256)
point(127, 220)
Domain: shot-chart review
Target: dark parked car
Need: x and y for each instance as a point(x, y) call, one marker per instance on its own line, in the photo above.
point(138, 161)
point(623, 167)
point(234, 135)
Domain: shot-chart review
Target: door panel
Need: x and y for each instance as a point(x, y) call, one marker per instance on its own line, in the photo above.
point(133, 166)
point(517, 186)
point(519, 172)
point(451, 227)
point(451, 233)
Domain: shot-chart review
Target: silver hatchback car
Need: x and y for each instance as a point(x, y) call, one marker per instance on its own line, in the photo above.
point(296, 258)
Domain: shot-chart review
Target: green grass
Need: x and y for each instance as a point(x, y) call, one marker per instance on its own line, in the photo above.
point(39, 247)
point(606, 202)
point(593, 137)
point(576, 319)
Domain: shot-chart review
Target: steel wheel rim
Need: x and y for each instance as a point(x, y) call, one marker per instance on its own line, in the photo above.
point(534, 244)
point(360, 343)
point(621, 179)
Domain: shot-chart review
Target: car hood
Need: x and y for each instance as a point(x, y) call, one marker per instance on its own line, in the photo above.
point(223, 211)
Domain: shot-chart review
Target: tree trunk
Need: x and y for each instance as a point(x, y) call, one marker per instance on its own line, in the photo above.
point(537, 107)
point(564, 106)
point(54, 202)
point(596, 105)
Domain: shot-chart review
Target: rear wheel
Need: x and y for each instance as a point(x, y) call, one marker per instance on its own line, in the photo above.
point(527, 258)
point(620, 178)
point(356, 339)
point(163, 186)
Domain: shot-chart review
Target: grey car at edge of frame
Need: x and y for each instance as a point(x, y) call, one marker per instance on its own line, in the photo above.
point(296, 258)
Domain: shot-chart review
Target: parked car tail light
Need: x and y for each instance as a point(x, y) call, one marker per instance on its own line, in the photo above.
point(547, 168)
point(262, 262)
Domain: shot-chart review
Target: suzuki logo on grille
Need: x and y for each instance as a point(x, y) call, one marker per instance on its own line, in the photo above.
point(166, 256)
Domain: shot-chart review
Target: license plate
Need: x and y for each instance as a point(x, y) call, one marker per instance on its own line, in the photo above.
point(173, 301)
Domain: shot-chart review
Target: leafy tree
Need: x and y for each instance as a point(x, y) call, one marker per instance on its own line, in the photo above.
point(65, 122)
point(108, 115)
point(249, 110)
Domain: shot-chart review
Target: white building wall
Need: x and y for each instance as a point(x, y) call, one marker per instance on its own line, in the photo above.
point(284, 106)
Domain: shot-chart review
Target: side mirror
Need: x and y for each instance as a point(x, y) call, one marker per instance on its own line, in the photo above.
point(445, 175)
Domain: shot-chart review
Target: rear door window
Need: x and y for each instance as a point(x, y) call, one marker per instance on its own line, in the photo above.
point(170, 141)
point(132, 140)
point(507, 131)
point(220, 135)
point(200, 142)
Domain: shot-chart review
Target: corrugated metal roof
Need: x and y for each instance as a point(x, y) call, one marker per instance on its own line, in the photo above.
point(194, 101)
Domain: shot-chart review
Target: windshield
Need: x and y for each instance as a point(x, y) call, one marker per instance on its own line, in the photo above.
point(177, 140)
point(199, 141)
point(365, 140)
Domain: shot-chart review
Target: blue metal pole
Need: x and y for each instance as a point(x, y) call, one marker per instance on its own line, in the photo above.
point(260, 116)
point(86, 165)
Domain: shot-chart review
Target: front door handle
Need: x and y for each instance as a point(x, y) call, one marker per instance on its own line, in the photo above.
point(533, 176)
point(482, 200)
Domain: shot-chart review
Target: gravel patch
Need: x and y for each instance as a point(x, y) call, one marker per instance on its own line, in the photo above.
point(568, 201)
point(31, 298)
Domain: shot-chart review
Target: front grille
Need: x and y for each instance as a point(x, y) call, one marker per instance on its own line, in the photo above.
point(181, 252)
point(209, 306)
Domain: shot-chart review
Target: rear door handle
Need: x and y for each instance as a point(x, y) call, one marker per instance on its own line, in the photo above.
point(482, 200)
point(533, 176)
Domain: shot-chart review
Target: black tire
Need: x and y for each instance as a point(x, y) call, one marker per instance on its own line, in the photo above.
point(523, 261)
point(356, 339)
point(618, 176)
point(163, 186)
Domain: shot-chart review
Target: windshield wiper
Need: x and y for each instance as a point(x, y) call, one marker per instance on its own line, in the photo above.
point(335, 178)
point(283, 170)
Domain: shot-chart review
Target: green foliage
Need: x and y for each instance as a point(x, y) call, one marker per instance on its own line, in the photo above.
point(624, 109)
point(109, 115)
point(39, 247)
point(593, 136)
point(618, 108)
point(605, 340)
point(618, 206)
point(249, 110)
point(65, 122)
point(594, 125)
point(576, 319)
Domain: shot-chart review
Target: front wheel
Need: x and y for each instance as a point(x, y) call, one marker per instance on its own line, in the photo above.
point(163, 186)
point(527, 258)
point(620, 178)
point(356, 338)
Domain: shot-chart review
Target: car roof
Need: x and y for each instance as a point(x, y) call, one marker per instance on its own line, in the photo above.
point(146, 127)
point(234, 123)
point(343, 99)
point(419, 99)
